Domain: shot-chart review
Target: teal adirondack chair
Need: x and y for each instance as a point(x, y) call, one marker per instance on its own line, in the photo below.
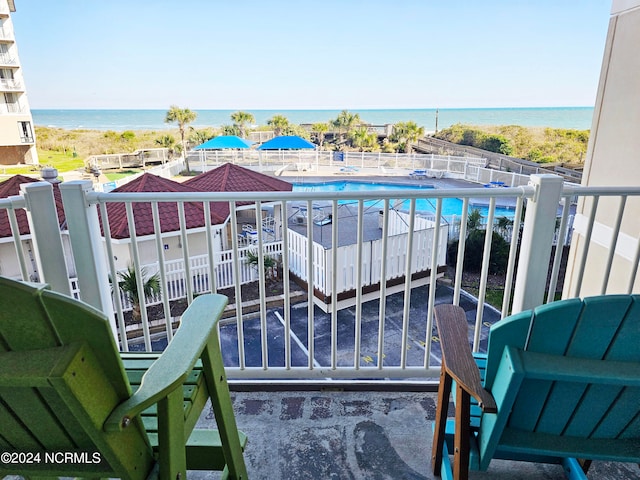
point(65, 389)
point(559, 383)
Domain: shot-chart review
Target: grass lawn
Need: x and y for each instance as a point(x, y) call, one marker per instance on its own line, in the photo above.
point(63, 162)
point(118, 175)
point(48, 158)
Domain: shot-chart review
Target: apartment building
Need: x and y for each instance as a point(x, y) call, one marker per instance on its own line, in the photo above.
point(17, 138)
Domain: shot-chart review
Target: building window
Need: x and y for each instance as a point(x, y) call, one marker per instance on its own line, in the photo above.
point(26, 134)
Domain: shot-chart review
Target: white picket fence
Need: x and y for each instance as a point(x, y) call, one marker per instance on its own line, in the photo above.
point(372, 258)
point(175, 272)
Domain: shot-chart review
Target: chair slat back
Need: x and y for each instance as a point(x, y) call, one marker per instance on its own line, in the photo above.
point(602, 328)
point(68, 377)
point(32, 318)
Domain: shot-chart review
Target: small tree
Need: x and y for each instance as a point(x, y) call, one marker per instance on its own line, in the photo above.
point(269, 263)
point(320, 129)
point(230, 130)
point(168, 142)
point(279, 123)
point(183, 117)
point(474, 252)
point(241, 119)
point(406, 133)
point(198, 137)
point(362, 139)
point(345, 122)
point(474, 246)
point(474, 220)
point(503, 225)
point(127, 283)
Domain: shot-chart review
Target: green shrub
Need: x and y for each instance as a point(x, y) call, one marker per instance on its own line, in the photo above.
point(497, 144)
point(474, 249)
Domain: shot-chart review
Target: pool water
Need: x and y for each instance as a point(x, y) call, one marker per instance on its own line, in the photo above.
point(450, 206)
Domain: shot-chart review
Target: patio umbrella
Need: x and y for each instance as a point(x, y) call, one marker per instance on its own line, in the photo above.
point(224, 141)
point(286, 142)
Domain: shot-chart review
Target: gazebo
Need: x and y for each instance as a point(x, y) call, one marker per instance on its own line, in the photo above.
point(223, 142)
point(286, 142)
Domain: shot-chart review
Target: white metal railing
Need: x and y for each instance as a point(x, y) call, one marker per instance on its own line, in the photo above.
point(6, 33)
point(313, 159)
point(139, 158)
point(373, 163)
point(274, 344)
point(11, 108)
point(7, 59)
point(10, 84)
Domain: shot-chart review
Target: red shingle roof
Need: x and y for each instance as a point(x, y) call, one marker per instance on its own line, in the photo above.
point(227, 178)
point(168, 211)
point(11, 187)
point(233, 178)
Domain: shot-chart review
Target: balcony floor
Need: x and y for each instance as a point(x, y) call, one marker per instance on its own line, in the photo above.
point(358, 435)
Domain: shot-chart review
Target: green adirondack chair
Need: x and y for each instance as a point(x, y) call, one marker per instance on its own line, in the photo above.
point(559, 383)
point(66, 402)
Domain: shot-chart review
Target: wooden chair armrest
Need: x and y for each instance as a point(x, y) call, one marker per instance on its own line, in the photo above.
point(172, 368)
point(457, 359)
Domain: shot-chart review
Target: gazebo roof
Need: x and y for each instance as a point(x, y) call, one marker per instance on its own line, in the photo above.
point(234, 178)
point(224, 141)
point(286, 142)
point(168, 211)
point(11, 187)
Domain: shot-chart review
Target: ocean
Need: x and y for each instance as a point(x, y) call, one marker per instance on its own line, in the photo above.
point(557, 117)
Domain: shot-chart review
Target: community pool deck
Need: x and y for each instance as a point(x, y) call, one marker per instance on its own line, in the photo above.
point(297, 215)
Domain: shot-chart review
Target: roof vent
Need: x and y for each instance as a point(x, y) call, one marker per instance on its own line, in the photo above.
point(50, 174)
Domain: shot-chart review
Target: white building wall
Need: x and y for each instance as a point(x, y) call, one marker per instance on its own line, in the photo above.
point(613, 156)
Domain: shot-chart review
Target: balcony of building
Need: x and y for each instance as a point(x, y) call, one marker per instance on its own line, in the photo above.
point(11, 85)
point(341, 393)
point(6, 34)
point(7, 59)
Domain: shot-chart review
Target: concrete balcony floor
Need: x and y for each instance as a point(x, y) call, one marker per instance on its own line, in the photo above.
point(359, 435)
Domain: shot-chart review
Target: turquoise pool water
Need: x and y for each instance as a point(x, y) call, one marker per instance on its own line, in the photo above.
point(450, 206)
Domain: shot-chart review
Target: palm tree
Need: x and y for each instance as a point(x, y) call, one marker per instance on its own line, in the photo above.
point(183, 117)
point(406, 133)
point(320, 129)
point(269, 263)
point(198, 137)
point(504, 224)
point(361, 138)
point(230, 130)
point(279, 123)
point(345, 122)
point(474, 220)
point(240, 120)
point(128, 285)
point(168, 142)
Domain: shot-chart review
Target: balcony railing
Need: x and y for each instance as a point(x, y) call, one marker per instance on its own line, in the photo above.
point(15, 107)
point(366, 340)
point(8, 59)
point(6, 33)
point(10, 84)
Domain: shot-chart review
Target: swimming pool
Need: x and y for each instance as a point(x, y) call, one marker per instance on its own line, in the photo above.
point(450, 206)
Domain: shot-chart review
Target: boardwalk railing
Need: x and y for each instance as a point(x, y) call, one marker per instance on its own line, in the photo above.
point(389, 339)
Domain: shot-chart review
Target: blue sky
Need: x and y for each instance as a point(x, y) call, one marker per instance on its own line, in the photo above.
point(333, 54)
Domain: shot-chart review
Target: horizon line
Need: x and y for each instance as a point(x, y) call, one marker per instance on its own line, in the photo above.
point(320, 109)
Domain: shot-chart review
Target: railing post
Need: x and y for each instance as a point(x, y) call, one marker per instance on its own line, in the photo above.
point(45, 230)
point(86, 243)
point(537, 240)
